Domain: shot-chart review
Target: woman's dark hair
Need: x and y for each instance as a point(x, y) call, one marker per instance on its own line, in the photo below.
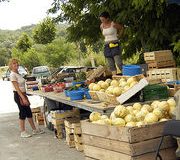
point(104, 14)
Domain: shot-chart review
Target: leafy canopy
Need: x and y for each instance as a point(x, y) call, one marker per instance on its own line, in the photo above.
point(44, 32)
point(149, 24)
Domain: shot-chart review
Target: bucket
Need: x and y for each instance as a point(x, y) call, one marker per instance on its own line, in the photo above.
point(131, 70)
point(76, 94)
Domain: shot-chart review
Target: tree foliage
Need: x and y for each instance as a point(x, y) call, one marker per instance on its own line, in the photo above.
point(149, 25)
point(24, 42)
point(59, 52)
point(44, 32)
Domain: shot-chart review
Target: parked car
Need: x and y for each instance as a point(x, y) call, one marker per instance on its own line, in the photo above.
point(22, 71)
point(41, 72)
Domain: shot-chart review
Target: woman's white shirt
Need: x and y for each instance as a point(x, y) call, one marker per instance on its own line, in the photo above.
point(110, 33)
point(19, 79)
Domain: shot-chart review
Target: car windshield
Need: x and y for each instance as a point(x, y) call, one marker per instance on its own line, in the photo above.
point(40, 70)
point(21, 69)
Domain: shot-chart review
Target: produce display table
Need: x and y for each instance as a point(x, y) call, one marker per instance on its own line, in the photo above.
point(88, 105)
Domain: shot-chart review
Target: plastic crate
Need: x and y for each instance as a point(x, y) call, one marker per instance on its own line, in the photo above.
point(155, 91)
point(76, 94)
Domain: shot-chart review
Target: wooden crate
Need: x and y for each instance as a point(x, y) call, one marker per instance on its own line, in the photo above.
point(39, 118)
point(66, 114)
point(97, 73)
point(78, 138)
point(71, 125)
point(58, 131)
point(173, 88)
point(161, 64)
point(103, 142)
point(57, 122)
point(36, 110)
point(166, 74)
point(79, 146)
point(77, 130)
point(95, 153)
point(158, 55)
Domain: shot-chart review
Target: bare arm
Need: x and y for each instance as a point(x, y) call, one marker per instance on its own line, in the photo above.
point(119, 27)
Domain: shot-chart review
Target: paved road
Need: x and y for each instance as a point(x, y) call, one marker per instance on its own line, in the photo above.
point(38, 147)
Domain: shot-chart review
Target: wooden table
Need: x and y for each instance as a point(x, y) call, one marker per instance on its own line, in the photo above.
point(85, 104)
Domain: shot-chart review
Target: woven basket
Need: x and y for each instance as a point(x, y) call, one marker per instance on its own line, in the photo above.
point(94, 95)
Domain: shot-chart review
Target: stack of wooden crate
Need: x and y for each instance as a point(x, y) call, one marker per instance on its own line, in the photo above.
point(161, 65)
point(38, 115)
point(39, 118)
point(58, 118)
point(159, 59)
point(104, 142)
point(73, 133)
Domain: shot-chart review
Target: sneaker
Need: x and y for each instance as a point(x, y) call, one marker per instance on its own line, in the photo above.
point(37, 131)
point(24, 134)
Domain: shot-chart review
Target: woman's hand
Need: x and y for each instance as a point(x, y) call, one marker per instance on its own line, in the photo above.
point(25, 101)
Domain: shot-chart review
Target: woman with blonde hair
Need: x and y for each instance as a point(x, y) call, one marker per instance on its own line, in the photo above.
point(18, 83)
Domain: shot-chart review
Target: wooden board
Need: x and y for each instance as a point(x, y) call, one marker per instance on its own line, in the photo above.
point(79, 146)
point(57, 122)
point(72, 122)
point(77, 130)
point(125, 134)
point(69, 130)
point(36, 110)
point(71, 144)
point(134, 149)
point(69, 137)
point(162, 64)
point(85, 104)
point(103, 154)
point(78, 138)
point(66, 114)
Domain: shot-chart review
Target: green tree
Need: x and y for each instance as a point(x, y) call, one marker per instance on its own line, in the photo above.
point(24, 42)
point(4, 56)
point(59, 52)
point(45, 32)
point(149, 25)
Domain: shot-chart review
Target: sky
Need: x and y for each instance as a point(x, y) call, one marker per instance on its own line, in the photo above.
point(18, 13)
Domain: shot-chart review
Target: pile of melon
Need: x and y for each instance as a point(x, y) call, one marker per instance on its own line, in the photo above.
point(114, 87)
point(137, 114)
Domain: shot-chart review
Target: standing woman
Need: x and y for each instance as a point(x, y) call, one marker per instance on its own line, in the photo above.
point(18, 83)
point(112, 49)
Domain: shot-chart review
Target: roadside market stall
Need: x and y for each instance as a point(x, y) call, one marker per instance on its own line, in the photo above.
point(127, 113)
